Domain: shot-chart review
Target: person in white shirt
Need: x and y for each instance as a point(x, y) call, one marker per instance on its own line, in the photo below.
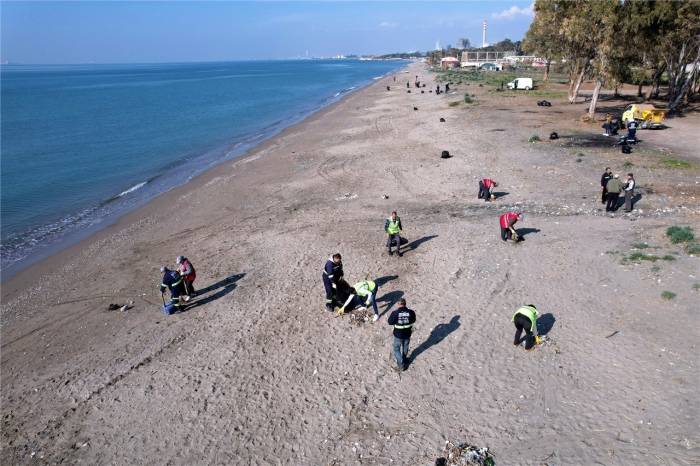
point(629, 192)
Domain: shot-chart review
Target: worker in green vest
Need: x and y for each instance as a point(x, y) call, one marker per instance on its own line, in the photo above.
point(525, 318)
point(364, 294)
point(392, 227)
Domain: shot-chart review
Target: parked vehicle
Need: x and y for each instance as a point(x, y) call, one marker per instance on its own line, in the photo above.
point(521, 83)
point(646, 115)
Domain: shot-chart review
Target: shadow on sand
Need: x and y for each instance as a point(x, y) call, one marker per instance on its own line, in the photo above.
point(222, 288)
point(439, 333)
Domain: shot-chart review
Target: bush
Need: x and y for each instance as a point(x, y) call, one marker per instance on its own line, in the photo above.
point(693, 248)
point(468, 99)
point(668, 257)
point(628, 164)
point(454, 104)
point(534, 138)
point(680, 234)
point(640, 245)
point(640, 256)
point(668, 295)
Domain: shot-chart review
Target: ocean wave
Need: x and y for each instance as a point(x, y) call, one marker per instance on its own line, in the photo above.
point(132, 189)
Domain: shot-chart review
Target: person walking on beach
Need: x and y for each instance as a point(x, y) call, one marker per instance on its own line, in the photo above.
point(332, 273)
point(173, 281)
point(508, 220)
point(393, 227)
point(402, 318)
point(629, 192)
point(188, 274)
point(614, 188)
point(486, 189)
point(607, 176)
point(525, 318)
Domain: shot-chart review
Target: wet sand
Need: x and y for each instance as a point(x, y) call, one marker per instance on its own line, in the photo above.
point(256, 372)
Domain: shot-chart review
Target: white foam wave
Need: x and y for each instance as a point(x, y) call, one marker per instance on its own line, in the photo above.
point(133, 188)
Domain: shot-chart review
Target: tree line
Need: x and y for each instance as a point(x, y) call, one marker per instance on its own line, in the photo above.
point(613, 41)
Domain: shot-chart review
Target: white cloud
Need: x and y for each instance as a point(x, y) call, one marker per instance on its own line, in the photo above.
point(514, 11)
point(388, 24)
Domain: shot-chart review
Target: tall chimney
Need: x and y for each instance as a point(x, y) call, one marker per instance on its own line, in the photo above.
point(483, 36)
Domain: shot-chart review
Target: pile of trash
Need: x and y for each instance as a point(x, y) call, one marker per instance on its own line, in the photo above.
point(361, 316)
point(464, 454)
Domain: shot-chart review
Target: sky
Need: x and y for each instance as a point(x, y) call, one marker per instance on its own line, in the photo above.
point(150, 32)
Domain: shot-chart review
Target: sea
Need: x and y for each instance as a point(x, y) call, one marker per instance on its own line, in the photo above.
point(82, 145)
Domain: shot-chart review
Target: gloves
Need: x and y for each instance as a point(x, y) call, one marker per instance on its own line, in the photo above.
point(341, 311)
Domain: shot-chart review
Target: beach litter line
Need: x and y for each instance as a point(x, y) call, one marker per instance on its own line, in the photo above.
point(464, 454)
point(360, 317)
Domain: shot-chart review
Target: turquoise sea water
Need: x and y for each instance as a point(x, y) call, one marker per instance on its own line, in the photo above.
point(83, 144)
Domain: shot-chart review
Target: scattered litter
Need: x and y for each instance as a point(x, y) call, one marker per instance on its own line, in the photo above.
point(544, 103)
point(415, 108)
point(346, 196)
point(384, 196)
point(442, 120)
point(445, 154)
point(613, 334)
point(553, 135)
point(464, 454)
point(121, 307)
point(361, 316)
point(408, 91)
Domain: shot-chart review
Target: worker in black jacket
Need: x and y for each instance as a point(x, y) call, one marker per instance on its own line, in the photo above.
point(402, 319)
point(607, 176)
point(174, 282)
point(332, 273)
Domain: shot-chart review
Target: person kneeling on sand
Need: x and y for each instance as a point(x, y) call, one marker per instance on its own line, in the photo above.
point(525, 318)
point(363, 294)
point(486, 189)
point(188, 274)
point(508, 220)
point(402, 319)
point(393, 227)
point(173, 281)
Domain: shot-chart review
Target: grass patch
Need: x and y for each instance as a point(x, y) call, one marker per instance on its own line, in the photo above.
point(696, 286)
point(680, 234)
point(534, 138)
point(693, 249)
point(668, 257)
point(468, 99)
point(628, 164)
point(676, 163)
point(668, 295)
point(640, 256)
point(534, 93)
point(455, 103)
point(655, 268)
point(640, 245)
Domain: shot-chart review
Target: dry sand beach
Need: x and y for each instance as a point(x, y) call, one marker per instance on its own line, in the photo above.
point(256, 372)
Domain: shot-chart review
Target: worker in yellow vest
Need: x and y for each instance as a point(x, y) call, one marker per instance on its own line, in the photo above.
point(525, 318)
point(393, 228)
point(364, 294)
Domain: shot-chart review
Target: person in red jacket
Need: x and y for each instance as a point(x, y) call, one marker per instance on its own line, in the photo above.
point(186, 270)
point(508, 220)
point(486, 189)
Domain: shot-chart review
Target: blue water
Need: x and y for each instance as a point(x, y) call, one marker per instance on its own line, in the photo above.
point(83, 144)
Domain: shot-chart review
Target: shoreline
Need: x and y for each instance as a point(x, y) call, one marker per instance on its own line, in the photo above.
point(75, 241)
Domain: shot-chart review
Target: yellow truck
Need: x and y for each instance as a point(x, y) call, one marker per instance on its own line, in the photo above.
point(648, 116)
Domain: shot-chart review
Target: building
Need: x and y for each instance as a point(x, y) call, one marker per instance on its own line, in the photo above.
point(448, 63)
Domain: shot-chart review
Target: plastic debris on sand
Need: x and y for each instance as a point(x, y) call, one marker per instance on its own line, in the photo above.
point(464, 454)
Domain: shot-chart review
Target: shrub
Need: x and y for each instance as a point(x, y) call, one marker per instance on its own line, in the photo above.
point(640, 245)
point(468, 99)
point(693, 248)
point(534, 138)
point(696, 286)
point(454, 104)
point(668, 257)
point(668, 295)
point(676, 163)
point(680, 234)
point(640, 256)
point(628, 164)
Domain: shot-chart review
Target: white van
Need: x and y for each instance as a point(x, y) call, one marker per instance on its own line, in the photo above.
point(521, 83)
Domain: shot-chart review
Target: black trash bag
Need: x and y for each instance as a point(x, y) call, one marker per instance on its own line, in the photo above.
point(442, 120)
point(408, 91)
point(445, 155)
point(626, 149)
point(553, 135)
point(415, 108)
point(388, 88)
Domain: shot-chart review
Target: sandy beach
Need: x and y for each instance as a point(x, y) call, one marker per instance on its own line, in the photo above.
point(256, 372)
